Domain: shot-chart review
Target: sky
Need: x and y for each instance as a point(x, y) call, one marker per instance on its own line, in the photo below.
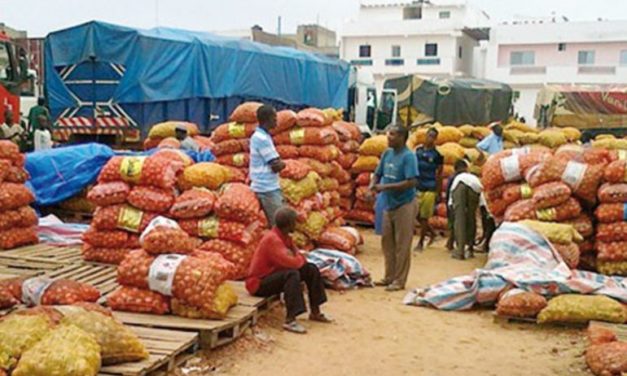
point(39, 17)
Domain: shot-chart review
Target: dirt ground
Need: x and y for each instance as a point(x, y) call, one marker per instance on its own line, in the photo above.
point(375, 334)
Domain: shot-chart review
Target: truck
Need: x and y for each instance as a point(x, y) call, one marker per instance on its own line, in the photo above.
point(13, 75)
point(414, 100)
point(362, 99)
point(111, 83)
point(594, 109)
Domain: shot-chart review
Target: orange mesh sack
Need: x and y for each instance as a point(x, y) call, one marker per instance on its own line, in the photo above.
point(329, 184)
point(165, 239)
point(346, 160)
point(240, 256)
point(122, 217)
point(22, 217)
point(550, 194)
point(285, 120)
point(64, 292)
point(323, 154)
point(5, 165)
point(525, 209)
point(520, 303)
point(583, 225)
point(18, 236)
point(178, 156)
point(337, 238)
point(611, 251)
point(195, 203)
point(152, 171)
point(287, 151)
point(363, 178)
point(616, 172)
point(105, 194)
point(607, 359)
point(322, 169)
point(246, 112)
point(612, 232)
point(236, 175)
point(346, 190)
point(16, 174)
point(132, 299)
point(570, 254)
point(227, 147)
point(235, 160)
point(231, 131)
point(312, 117)
point(13, 196)
point(608, 213)
point(151, 199)
point(307, 136)
point(237, 202)
point(11, 152)
point(169, 142)
point(613, 193)
point(113, 256)
point(214, 228)
point(106, 239)
point(582, 178)
point(347, 131)
point(295, 170)
point(500, 170)
point(361, 215)
point(350, 146)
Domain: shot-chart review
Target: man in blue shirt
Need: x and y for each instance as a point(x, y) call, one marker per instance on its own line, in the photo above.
point(430, 163)
point(395, 178)
point(494, 142)
point(265, 164)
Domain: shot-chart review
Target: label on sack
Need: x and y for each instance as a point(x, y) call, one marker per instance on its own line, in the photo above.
point(547, 215)
point(208, 227)
point(622, 155)
point(526, 191)
point(573, 174)
point(238, 159)
point(512, 292)
point(130, 218)
point(510, 168)
point(33, 289)
point(237, 130)
point(158, 222)
point(297, 136)
point(162, 271)
point(521, 151)
point(131, 169)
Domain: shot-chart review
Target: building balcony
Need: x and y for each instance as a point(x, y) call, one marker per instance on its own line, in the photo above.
point(538, 75)
point(361, 62)
point(394, 62)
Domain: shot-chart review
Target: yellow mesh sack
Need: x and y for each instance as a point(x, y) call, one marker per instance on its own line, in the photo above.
point(374, 146)
point(19, 333)
point(556, 232)
point(468, 142)
point(448, 134)
point(612, 267)
point(313, 226)
point(513, 136)
point(451, 152)
point(297, 191)
point(365, 164)
point(552, 138)
point(583, 308)
point(528, 138)
point(572, 134)
point(522, 127)
point(206, 174)
point(223, 300)
point(467, 130)
point(168, 129)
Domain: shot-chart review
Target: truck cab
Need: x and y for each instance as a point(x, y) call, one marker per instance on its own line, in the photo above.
point(13, 71)
point(362, 100)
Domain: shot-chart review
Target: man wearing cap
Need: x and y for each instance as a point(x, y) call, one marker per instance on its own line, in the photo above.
point(187, 143)
point(494, 142)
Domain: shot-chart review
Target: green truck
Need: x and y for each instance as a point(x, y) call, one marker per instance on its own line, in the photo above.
point(415, 100)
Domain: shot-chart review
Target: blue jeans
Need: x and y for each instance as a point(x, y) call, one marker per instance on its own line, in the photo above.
point(270, 203)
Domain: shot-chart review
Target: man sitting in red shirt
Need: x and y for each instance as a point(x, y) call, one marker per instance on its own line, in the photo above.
point(278, 267)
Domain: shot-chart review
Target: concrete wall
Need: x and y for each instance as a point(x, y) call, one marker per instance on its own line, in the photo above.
point(606, 53)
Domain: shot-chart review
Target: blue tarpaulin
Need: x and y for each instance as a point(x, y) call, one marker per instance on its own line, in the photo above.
point(162, 73)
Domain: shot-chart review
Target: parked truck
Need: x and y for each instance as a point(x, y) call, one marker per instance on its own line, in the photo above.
point(592, 108)
point(112, 82)
point(13, 75)
point(414, 100)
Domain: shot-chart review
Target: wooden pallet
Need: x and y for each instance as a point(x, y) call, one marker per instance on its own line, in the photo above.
point(38, 252)
point(167, 349)
point(102, 277)
point(212, 333)
point(15, 267)
point(245, 299)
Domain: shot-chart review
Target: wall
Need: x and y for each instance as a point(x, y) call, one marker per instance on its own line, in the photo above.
point(606, 53)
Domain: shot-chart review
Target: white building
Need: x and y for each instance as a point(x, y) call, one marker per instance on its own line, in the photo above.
point(420, 37)
point(527, 55)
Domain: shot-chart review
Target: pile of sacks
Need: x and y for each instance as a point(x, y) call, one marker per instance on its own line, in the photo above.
point(349, 142)
point(130, 193)
point(18, 221)
point(169, 275)
point(370, 153)
point(164, 134)
point(611, 214)
point(65, 340)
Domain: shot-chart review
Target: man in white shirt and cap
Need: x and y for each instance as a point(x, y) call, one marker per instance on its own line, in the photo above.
point(187, 143)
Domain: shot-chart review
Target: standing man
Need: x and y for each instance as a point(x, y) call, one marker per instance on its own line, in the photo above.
point(265, 164)
point(11, 130)
point(35, 113)
point(278, 267)
point(187, 143)
point(494, 142)
point(465, 191)
point(42, 138)
point(430, 163)
point(395, 178)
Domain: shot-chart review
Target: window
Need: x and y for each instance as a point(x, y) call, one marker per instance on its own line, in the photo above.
point(585, 57)
point(522, 58)
point(431, 49)
point(444, 14)
point(361, 62)
point(623, 57)
point(396, 51)
point(364, 50)
point(394, 61)
point(5, 62)
point(459, 52)
point(412, 13)
point(561, 46)
point(428, 61)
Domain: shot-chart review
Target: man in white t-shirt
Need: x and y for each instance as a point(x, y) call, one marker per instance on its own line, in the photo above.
point(465, 191)
point(42, 137)
point(10, 130)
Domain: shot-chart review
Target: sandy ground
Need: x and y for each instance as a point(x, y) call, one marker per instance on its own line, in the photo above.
point(375, 334)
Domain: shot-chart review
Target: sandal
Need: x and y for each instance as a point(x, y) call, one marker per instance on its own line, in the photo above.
point(321, 317)
point(294, 327)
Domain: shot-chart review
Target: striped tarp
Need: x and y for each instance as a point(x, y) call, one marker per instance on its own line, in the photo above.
point(339, 270)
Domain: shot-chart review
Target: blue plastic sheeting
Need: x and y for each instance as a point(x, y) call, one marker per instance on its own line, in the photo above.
point(201, 156)
point(58, 174)
point(163, 65)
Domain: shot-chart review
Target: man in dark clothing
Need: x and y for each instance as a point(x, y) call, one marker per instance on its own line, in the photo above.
point(430, 163)
point(465, 190)
point(35, 114)
point(278, 267)
point(460, 166)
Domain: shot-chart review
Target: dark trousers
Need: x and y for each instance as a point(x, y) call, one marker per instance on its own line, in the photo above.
point(288, 283)
point(465, 203)
point(489, 226)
